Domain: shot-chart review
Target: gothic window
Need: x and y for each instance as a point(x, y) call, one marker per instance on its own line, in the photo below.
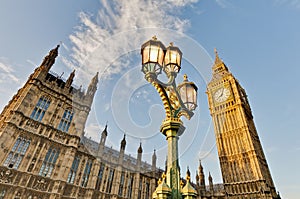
point(140, 188)
point(49, 162)
point(40, 109)
point(2, 193)
point(74, 168)
point(65, 121)
point(147, 190)
point(121, 184)
point(99, 178)
point(86, 173)
point(17, 153)
point(130, 185)
point(110, 180)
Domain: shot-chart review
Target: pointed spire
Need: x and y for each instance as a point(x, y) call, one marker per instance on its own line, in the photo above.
point(154, 155)
point(217, 59)
point(123, 142)
point(49, 60)
point(209, 177)
point(201, 176)
point(104, 132)
point(139, 157)
point(70, 79)
point(93, 85)
point(140, 149)
point(188, 190)
point(219, 68)
point(197, 178)
point(154, 158)
point(102, 142)
point(188, 174)
point(200, 167)
point(211, 184)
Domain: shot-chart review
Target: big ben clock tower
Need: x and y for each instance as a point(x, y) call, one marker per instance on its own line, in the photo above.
point(243, 164)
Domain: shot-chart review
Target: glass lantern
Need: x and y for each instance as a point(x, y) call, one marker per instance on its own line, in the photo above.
point(188, 93)
point(153, 52)
point(172, 59)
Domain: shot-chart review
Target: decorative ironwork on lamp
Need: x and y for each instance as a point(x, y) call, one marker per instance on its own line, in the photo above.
point(178, 101)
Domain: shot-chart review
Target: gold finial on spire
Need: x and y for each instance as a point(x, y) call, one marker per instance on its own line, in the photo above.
point(216, 52)
point(188, 174)
point(185, 78)
point(171, 43)
point(181, 183)
point(154, 37)
point(217, 58)
point(163, 176)
point(159, 181)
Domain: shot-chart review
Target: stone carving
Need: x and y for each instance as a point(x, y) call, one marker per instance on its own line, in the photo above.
point(6, 176)
point(41, 184)
point(18, 195)
point(60, 137)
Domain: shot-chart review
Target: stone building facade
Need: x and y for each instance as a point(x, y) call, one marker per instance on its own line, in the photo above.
point(45, 155)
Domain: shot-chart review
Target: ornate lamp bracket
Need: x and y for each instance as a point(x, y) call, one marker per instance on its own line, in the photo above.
point(170, 97)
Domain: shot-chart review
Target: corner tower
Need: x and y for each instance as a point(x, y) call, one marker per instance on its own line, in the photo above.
point(243, 164)
point(46, 116)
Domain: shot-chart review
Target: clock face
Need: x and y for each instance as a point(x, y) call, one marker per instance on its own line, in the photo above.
point(222, 94)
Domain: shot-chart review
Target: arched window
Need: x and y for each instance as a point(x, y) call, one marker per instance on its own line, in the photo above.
point(17, 153)
point(110, 180)
point(73, 171)
point(130, 186)
point(40, 109)
point(66, 120)
point(100, 175)
point(86, 173)
point(49, 162)
point(121, 186)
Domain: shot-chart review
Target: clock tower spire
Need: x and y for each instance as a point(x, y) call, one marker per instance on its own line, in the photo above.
point(243, 164)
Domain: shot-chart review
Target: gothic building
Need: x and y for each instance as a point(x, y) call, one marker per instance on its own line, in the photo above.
point(45, 155)
point(243, 164)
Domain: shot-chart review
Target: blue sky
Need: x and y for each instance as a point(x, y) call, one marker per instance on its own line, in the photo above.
point(258, 41)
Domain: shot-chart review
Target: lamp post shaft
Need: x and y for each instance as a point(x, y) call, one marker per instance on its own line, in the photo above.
point(172, 128)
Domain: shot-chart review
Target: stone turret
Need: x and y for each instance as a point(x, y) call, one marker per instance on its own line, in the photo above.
point(49, 60)
point(154, 158)
point(188, 191)
point(201, 177)
point(139, 157)
point(122, 150)
point(70, 80)
point(102, 141)
point(211, 184)
point(92, 89)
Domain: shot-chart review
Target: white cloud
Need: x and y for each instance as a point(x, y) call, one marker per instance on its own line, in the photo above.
point(118, 29)
point(7, 73)
point(93, 130)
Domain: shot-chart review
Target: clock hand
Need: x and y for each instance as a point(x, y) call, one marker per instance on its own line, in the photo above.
point(221, 93)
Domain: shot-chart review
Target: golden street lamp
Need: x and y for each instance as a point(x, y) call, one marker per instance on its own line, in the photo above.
point(178, 101)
